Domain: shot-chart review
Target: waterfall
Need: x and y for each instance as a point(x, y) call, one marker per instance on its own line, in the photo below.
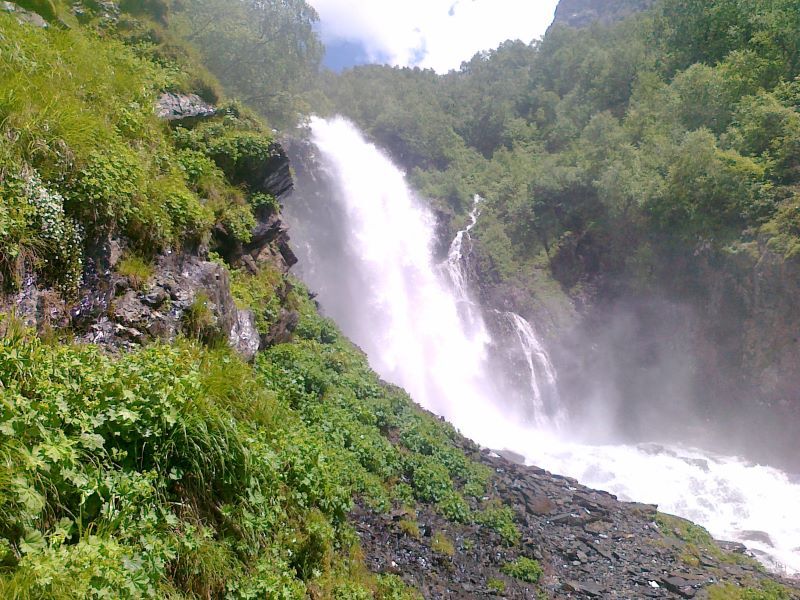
point(365, 245)
point(541, 396)
point(455, 269)
point(456, 259)
point(547, 407)
point(381, 283)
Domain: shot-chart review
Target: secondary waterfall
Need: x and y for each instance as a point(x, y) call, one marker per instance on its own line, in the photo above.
point(539, 365)
point(366, 246)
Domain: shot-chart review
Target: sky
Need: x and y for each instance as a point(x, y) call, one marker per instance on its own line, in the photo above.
point(435, 34)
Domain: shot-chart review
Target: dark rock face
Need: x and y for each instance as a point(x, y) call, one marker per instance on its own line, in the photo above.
point(582, 13)
point(112, 313)
point(118, 316)
point(183, 109)
point(269, 244)
point(589, 544)
point(275, 176)
point(748, 344)
point(36, 307)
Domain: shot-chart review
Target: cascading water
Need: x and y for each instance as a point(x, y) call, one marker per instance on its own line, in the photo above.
point(366, 246)
point(386, 292)
point(546, 415)
point(455, 269)
point(541, 398)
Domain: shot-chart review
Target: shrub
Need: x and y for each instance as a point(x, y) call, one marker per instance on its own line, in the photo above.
point(500, 519)
point(236, 144)
point(525, 569)
point(38, 235)
point(102, 193)
point(429, 478)
point(454, 508)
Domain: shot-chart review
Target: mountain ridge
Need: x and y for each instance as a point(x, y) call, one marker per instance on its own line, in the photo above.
point(583, 13)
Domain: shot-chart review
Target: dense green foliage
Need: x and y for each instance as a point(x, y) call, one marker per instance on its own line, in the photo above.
point(86, 157)
point(626, 151)
point(525, 569)
point(183, 471)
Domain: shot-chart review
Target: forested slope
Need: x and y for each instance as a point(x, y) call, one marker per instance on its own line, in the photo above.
point(648, 170)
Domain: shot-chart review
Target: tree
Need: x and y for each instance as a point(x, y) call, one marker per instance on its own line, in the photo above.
point(265, 52)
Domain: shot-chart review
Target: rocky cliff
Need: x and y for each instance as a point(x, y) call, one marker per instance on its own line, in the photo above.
point(183, 291)
point(582, 13)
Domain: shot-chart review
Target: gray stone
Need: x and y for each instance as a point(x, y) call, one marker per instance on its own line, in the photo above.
point(177, 282)
point(244, 337)
point(22, 15)
point(183, 108)
point(36, 307)
point(757, 536)
point(592, 589)
point(281, 331)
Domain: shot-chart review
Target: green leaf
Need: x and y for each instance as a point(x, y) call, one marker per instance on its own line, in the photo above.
point(32, 542)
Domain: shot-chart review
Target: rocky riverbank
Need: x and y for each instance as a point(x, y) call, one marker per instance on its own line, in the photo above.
point(588, 543)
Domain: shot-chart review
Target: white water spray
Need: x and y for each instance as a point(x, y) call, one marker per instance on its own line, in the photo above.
point(421, 330)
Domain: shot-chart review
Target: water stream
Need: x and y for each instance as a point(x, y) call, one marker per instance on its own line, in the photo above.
point(366, 245)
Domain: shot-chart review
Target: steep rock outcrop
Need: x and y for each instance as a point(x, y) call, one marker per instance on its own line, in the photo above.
point(582, 13)
point(185, 294)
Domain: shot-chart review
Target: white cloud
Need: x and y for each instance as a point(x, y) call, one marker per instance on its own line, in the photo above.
point(437, 34)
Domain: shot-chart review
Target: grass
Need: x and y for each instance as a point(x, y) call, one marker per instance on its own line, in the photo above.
point(441, 544)
point(767, 591)
point(698, 542)
point(410, 528)
point(136, 270)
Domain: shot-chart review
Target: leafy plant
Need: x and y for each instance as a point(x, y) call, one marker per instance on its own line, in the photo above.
point(525, 569)
point(501, 519)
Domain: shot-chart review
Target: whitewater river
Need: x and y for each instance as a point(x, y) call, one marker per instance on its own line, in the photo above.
point(365, 245)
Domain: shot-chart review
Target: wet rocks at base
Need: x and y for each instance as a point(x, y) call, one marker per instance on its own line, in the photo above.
point(589, 544)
